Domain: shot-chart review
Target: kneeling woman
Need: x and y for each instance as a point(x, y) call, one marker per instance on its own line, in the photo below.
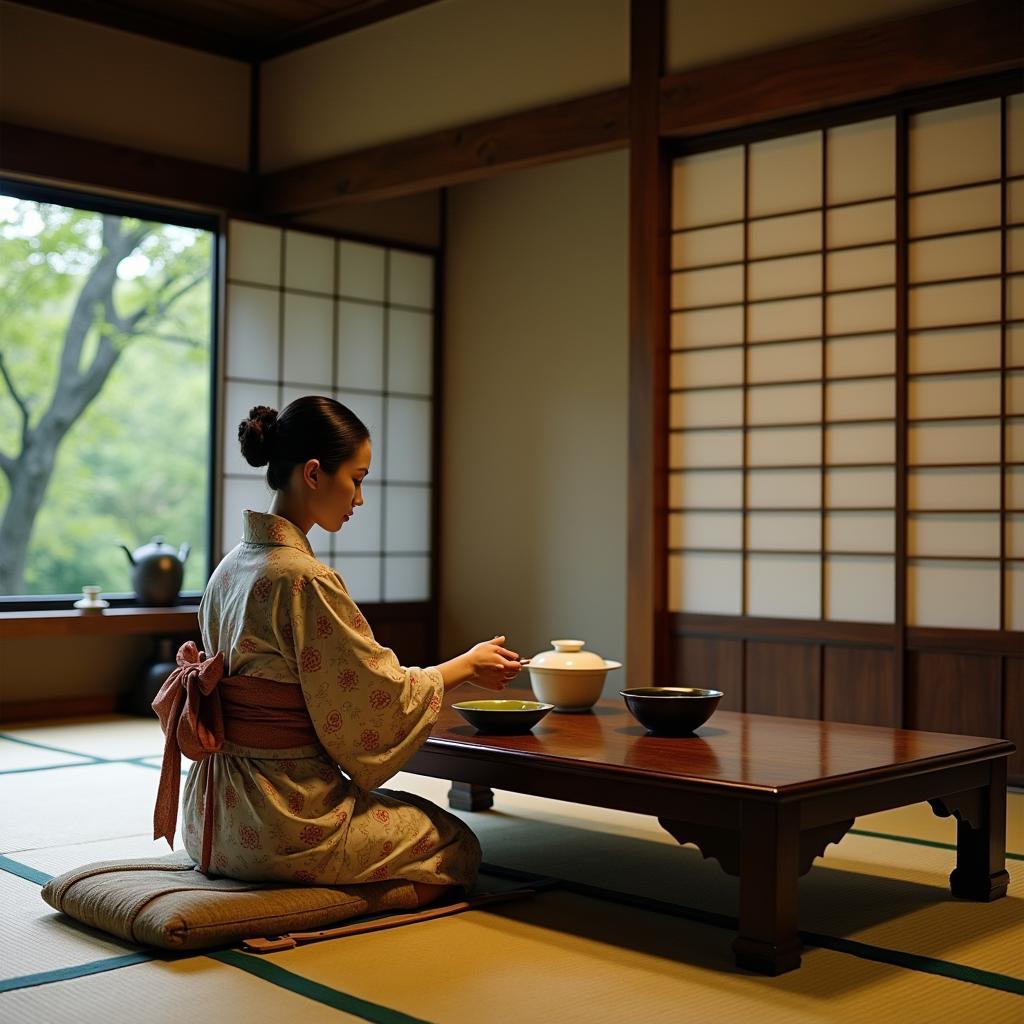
point(305, 713)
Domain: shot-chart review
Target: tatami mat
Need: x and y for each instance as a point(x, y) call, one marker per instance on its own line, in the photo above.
point(16, 756)
point(565, 954)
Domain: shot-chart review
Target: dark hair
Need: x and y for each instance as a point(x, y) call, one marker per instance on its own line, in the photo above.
point(312, 427)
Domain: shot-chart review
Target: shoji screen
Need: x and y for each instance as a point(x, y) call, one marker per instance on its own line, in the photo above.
point(783, 401)
point(966, 365)
point(308, 314)
point(790, 299)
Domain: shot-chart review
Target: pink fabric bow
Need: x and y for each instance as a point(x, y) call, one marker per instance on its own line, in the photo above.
point(189, 708)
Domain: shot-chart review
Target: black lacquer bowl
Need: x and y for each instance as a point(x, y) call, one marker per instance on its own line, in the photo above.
point(502, 717)
point(671, 710)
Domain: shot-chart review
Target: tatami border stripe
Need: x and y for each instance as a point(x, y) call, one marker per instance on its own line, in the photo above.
point(50, 747)
point(262, 968)
point(919, 842)
point(24, 871)
point(862, 950)
point(112, 963)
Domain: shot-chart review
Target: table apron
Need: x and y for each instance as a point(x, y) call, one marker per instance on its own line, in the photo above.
point(574, 784)
point(873, 795)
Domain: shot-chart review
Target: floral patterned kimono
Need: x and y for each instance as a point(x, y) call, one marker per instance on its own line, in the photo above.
point(310, 814)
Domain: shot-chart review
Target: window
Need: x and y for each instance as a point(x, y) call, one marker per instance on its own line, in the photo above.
point(105, 395)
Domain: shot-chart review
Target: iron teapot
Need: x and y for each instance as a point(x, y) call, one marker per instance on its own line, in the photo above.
point(157, 572)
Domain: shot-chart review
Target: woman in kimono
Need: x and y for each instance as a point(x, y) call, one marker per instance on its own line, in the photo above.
point(301, 803)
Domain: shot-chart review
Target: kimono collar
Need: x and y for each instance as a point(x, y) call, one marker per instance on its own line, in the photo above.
point(264, 528)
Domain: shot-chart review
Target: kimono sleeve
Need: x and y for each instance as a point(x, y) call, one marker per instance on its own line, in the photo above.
point(370, 713)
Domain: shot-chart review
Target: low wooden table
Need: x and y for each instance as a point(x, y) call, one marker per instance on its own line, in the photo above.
point(762, 795)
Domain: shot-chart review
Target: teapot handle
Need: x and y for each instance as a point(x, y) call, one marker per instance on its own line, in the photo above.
point(183, 552)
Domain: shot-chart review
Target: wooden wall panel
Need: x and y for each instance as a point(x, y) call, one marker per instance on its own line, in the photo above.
point(1013, 715)
point(783, 679)
point(711, 663)
point(949, 692)
point(860, 686)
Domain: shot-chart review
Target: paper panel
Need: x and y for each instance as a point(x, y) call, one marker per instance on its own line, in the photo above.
point(860, 488)
point(960, 210)
point(254, 253)
point(861, 312)
point(1015, 297)
point(939, 259)
point(410, 351)
point(789, 275)
point(957, 348)
point(860, 531)
point(784, 446)
point(953, 488)
point(714, 287)
point(785, 174)
point(705, 448)
point(860, 442)
point(407, 515)
point(959, 595)
point(705, 530)
point(859, 589)
point(361, 576)
point(968, 394)
point(1015, 345)
point(784, 403)
point(710, 583)
point(784, 586)
point(779, 236)
point(861, 224)
point(860, 355)
point(406, 579)
point(239, 398)
point(706, 408)
point(1015, 596)
point(784, 319)
point(1015, 392)
point(1015, 440)
point(959, 441)
point(940, 535)
point(707, 188)
point(1014, 201)
point(860, 399)
point(941, 305)
point(705, 246)
point(1015, 488)
point(307, 351)
point(253, 330)
point(784, 488)
point(706, 368)
point(410, 279)
point(707, 327)
point(1015, 250)
point(362, 533)
point(1015, 536)
point(861, 268)
point(798, 360)
point(361, 271)
point(710, 489)
point(408, 436)
point(955, 145)
point(309, 262)
point(862, 160)
point(360, 346)
point(1015, 134)
point(784, 531)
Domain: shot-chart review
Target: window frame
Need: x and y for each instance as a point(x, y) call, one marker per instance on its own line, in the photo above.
point(144, 210)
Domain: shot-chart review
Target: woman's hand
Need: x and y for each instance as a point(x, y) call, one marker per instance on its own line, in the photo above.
point(487, 664)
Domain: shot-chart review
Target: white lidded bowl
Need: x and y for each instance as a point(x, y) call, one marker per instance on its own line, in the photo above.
point(568, 676)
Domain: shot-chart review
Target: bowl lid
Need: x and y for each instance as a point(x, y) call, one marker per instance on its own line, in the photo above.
point(568, 654)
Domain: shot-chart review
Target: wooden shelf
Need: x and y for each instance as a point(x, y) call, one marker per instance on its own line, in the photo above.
point(112, 622)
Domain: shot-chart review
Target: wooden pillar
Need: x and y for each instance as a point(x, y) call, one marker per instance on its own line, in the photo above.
point(647, 627)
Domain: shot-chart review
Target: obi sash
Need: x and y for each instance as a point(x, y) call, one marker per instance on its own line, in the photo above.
point(199, 708)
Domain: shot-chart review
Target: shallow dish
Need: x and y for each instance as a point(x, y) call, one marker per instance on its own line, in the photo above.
point(502, 717)
point(671, 710)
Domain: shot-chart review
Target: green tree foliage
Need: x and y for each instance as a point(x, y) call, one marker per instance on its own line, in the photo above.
point(135, 462)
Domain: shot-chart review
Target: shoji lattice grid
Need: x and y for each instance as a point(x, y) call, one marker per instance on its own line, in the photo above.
point(309, 314)
point(783, 405)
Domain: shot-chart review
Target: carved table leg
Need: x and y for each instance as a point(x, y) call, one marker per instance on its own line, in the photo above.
point(467, 796)
point(769, 866)
point(980, 872)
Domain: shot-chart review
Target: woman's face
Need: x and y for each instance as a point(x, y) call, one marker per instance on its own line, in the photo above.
point(340, 494)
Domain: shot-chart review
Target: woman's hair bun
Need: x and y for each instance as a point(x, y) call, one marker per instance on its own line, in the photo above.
point(257, 434)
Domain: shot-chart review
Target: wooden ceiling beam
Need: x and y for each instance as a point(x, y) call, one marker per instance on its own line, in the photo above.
point(965, 41)
point(77, 162)
point(452, 156)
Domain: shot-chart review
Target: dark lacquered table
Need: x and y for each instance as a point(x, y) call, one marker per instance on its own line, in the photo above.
point(762, 795)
